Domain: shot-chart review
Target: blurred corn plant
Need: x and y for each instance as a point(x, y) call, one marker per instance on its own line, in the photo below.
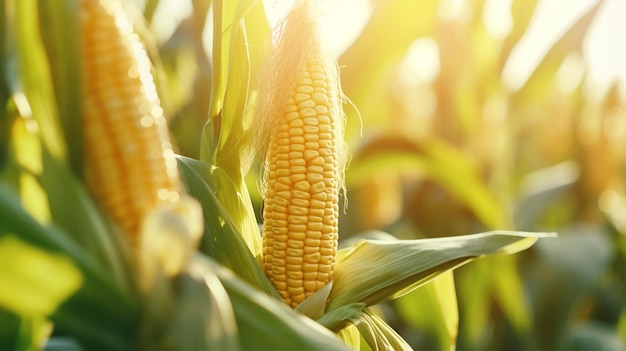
point(87, 93)
point(449, 148)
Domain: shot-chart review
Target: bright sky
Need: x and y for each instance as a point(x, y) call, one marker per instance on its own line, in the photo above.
point(604, 49)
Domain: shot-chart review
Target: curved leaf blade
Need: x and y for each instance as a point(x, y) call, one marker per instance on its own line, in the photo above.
point(376, 271)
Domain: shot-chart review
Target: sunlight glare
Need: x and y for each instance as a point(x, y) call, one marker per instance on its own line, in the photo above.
point(421, 62)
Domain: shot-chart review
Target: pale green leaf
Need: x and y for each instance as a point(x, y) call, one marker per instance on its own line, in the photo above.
point(378, 334)
point(35, 76)
point(74, 210)
point(377, 271)
point(203, 317)
point(239, 41)
point(221, 239)
point(433, 308)
point(340, 316)
point(247, 52)
point(315, 305)
point(223, 18)
point(112, 311)
point(350, 336)
point(235, 198)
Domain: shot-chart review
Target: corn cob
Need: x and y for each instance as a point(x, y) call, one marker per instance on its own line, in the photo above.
point(303, 168)
point(130, 164)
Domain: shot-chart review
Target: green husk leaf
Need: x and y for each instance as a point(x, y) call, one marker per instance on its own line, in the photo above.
point(350, 336)
point(238, 49)
point(336, 319)
point(267, 324)
point(376, 271)
point(244, 31)
point(314, 305)
point(247, 51)
point(378, 334)
point(221, 239)
point(73, 210)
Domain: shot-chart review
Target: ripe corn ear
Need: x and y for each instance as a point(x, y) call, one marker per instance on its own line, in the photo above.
point(304, 171)
point(130, 164)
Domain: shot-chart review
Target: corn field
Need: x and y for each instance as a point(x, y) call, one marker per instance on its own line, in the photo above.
point(235, 183)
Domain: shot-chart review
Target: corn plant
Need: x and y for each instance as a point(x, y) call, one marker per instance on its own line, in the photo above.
point(111, 241)
point(465, 152)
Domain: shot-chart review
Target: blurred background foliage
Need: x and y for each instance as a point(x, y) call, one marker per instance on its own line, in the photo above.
point(441, 145)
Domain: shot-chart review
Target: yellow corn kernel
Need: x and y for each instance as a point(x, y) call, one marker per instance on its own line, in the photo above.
point(304, 162)
point(130, 164)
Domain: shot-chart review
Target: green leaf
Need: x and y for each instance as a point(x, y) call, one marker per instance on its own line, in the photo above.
point(6, 118)
point(203, 318)
point(34, 281)
point(223, 17)
point(540, 190)
point(592, 336)
point(239, 41)
point(242, 28)
point(235, 198)
point(112, 311)
point(378, 334)
point(22, 333)
point(433, 308)
point(221, 239)
point(35, 76)
point(336, 319)
point(60, 33)
point(267, 324)
point(247, 52)
point(492, 280)
point(315, 305)
point(73, 210)
point(376, 271)
point(563, 273)
point(60, 343)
